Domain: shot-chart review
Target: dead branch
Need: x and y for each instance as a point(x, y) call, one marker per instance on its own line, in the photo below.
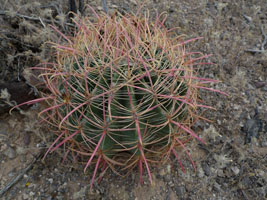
point(255, 50)
point(37, 19)
point(264, 42)
point(14, 180)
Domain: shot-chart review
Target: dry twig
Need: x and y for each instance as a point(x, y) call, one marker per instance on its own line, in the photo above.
point(14, 180)
point(3, 12)
point(264, 42)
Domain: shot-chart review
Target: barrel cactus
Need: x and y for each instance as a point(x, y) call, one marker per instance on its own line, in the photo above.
point(123, 91)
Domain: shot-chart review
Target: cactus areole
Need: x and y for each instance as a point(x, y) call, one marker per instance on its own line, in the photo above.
point(123, 92)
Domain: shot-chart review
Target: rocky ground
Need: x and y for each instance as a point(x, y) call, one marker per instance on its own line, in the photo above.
point(233, 163)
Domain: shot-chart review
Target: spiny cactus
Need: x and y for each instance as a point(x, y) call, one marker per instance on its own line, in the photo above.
point(123, 91)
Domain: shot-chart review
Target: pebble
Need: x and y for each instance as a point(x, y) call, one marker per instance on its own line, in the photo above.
point(40, 145)
point(50, 180)
point(60, 197)
point(180, 190)
point(217, 186)
point(167, 178)
point(23, 158)
point(162, 172)
point(133, 2)
point(3, 147)
point(3, 128)
point(261, 173)
point(248, 18)
point(32, 185)
point(4, 44)
point(235, 169)
point(21, 150)
point(252, 128)
point(260, 84)
point(212, 133)
point(10, 153)
point(221, 6)
point(27, 138)
point(220, 173)
point(165, 170)
point(200, 172)
point(81, 193)
point(171, 184)
point(246, 182)
point(26, 196)
point(99, 8)
point(206, 169)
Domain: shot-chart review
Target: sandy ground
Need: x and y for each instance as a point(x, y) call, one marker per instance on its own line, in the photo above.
point(233, 163)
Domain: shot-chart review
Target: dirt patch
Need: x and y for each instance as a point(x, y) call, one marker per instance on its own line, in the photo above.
point(233, 163)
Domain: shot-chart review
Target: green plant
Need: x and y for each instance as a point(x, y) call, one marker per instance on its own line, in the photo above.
point(123, 91)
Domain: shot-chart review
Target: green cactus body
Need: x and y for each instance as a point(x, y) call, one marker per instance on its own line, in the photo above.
point(123, 92)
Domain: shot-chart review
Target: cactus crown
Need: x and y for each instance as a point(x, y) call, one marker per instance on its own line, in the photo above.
point(123, 91)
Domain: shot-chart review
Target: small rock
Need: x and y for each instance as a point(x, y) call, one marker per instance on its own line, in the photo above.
point(10, 153)
point(49, 197)
point(235, 169)
point(200, 172)
point(252, 128)
point(163, 172)
point(262, 192)
point(206, 169)
point(81, 193)
point(209, 188)
point(221, 6)
point(11, 174)
point(3, 128)
point(168, 169)
point(180, 190)
point(260, 84)
point(23, 158)
point(167, 178)
point(261, 173)
point(3, 147)
point(246, 182)
point(222, 160)
point(247, 18)
point(133, 2)
point(50, 180)
point(99, 8)
point(217, 187)
point(171, 184)
point(212, 133)
point(40, 145)
point(21, 150)
point(208, 22)
point(32, 185)
point(220, 173)
point(27, 138)
point(14, 91)
point(4, 43)
point(114, 6)
point(26, 196)
point(60, 197)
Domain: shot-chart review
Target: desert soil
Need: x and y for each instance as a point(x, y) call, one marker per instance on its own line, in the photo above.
point(233, 163)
